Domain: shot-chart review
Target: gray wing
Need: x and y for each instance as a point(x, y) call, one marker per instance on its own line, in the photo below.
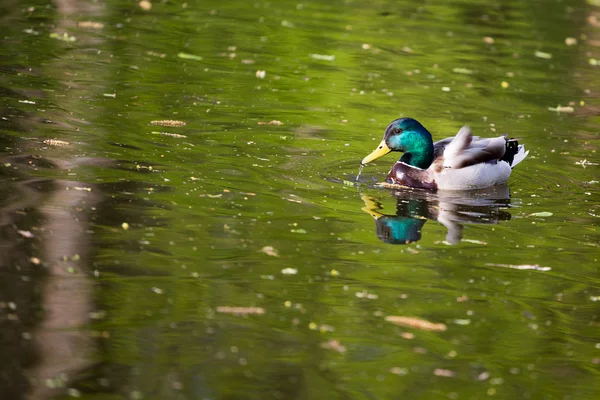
point(439, 147)
point(465, 149)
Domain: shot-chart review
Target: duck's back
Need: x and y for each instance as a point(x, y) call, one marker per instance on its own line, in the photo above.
point(465, 150)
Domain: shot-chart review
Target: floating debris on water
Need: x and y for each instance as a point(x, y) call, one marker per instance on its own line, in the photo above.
point(462, 321)
point(474, 241)
point(399, 371)
point(168, 122)
point(156, 54)
point(488, 40)
point(324, 57)
point(313, 326)
point(64, 37)
point(464, 71)
point(584, 163)
point(534, 267)
point(25, 234)
point(56, 142)
point(334, 345)
point(349, 183)
point(260, 74)
point(504, 85)
point(241, 310)
point(289, 271)
point(544, 55)
point(145, 5)
point(187, 56)
point(559, 109)
point(274, 122)
point(141, 167)
point(570, 41)
point(417, 323)
point(444, 372)
point(270, 251)
point(541, 214)
point(174, 135)
point(366, 295)
point(90, 25)
point(483, 376)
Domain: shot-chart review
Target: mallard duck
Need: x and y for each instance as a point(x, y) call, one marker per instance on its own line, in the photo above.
point(462, 162)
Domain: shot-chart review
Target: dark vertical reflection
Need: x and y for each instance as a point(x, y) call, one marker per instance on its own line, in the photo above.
point(45, 289)
point(20, 281)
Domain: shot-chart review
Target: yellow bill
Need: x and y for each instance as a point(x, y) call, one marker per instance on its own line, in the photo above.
point(381, 151)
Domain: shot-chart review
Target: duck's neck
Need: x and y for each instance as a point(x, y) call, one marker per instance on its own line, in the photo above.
point(420, 155)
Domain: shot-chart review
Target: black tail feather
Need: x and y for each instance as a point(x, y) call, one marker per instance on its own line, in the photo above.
point(512, 148)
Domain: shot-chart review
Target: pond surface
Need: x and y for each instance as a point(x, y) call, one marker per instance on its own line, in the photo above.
point(179, 217)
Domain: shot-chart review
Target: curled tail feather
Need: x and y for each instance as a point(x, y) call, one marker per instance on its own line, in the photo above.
point(515, 153)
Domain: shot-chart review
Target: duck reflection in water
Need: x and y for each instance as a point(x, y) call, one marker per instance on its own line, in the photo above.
point(451, 209)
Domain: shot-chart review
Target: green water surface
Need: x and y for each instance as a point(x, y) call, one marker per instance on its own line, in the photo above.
point(235, 257)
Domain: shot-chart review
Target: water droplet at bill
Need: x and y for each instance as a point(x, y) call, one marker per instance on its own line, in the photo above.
point(359, 172)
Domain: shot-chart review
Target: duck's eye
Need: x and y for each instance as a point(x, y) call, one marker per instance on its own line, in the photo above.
point(397, 130)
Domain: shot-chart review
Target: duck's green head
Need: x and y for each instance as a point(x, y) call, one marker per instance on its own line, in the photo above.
point(408, 136)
